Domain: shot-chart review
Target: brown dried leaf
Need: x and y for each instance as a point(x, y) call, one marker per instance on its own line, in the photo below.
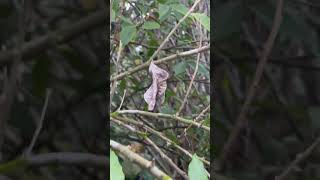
point(155, 94)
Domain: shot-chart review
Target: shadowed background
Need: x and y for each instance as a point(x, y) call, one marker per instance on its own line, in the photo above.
point(60, 45)
point(284, 116)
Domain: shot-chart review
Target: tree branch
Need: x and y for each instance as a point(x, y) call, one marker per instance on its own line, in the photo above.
point(59, 158)
point(143, 163)
point(241, 121)
point(161, 115)
point(32, 48)
point(160, 61)
point(300, 157)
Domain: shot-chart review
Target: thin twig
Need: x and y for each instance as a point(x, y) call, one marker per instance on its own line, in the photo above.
point(241, 121)
point(114, 83)
point(193, 76)
point(160, 135)
point(57, 158)
point(33, 47)
point(172, 31)
point(161, 115)
point(165, 157)
point(124, 95)
point(162, 154)
point(40, 125)
point(300, 158)
point(160, 61)
point(197, 118)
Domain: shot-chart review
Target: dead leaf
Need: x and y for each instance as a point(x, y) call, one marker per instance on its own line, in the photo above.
point(155, 94)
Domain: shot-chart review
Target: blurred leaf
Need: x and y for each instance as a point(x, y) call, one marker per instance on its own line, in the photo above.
point(203, 19)
point(162, 1)
point(154, 43)
point(164, 11)
point(115, 5)
point(204, 71)
point(127, 34)
point(113, 15)
point(201, 69)
point(180, 8)
point(180, 68)
point(116, 172)
point(196, 170)
point(172, 2)
point(125, 22)
point(166, 109)
point(151, 25)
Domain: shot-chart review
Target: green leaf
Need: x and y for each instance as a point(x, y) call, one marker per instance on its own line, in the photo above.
point(125, 21)
point(153, 42)
point(164, 11)
point(162, 1)
point(180, 8)
point(179, 68)
point(314, 113)
point(203, 19)
point(151, 25)
point(166, 109)
point(113, 15)
point(116, 172)
point(204, 71)
point(196, 170)
point(201, 69)
point(172, 2)
point(127, 34)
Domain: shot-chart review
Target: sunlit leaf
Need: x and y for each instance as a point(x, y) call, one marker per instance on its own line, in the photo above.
point(116, 172)
point(127, 34)
point(196, 170)
point(180, 8)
